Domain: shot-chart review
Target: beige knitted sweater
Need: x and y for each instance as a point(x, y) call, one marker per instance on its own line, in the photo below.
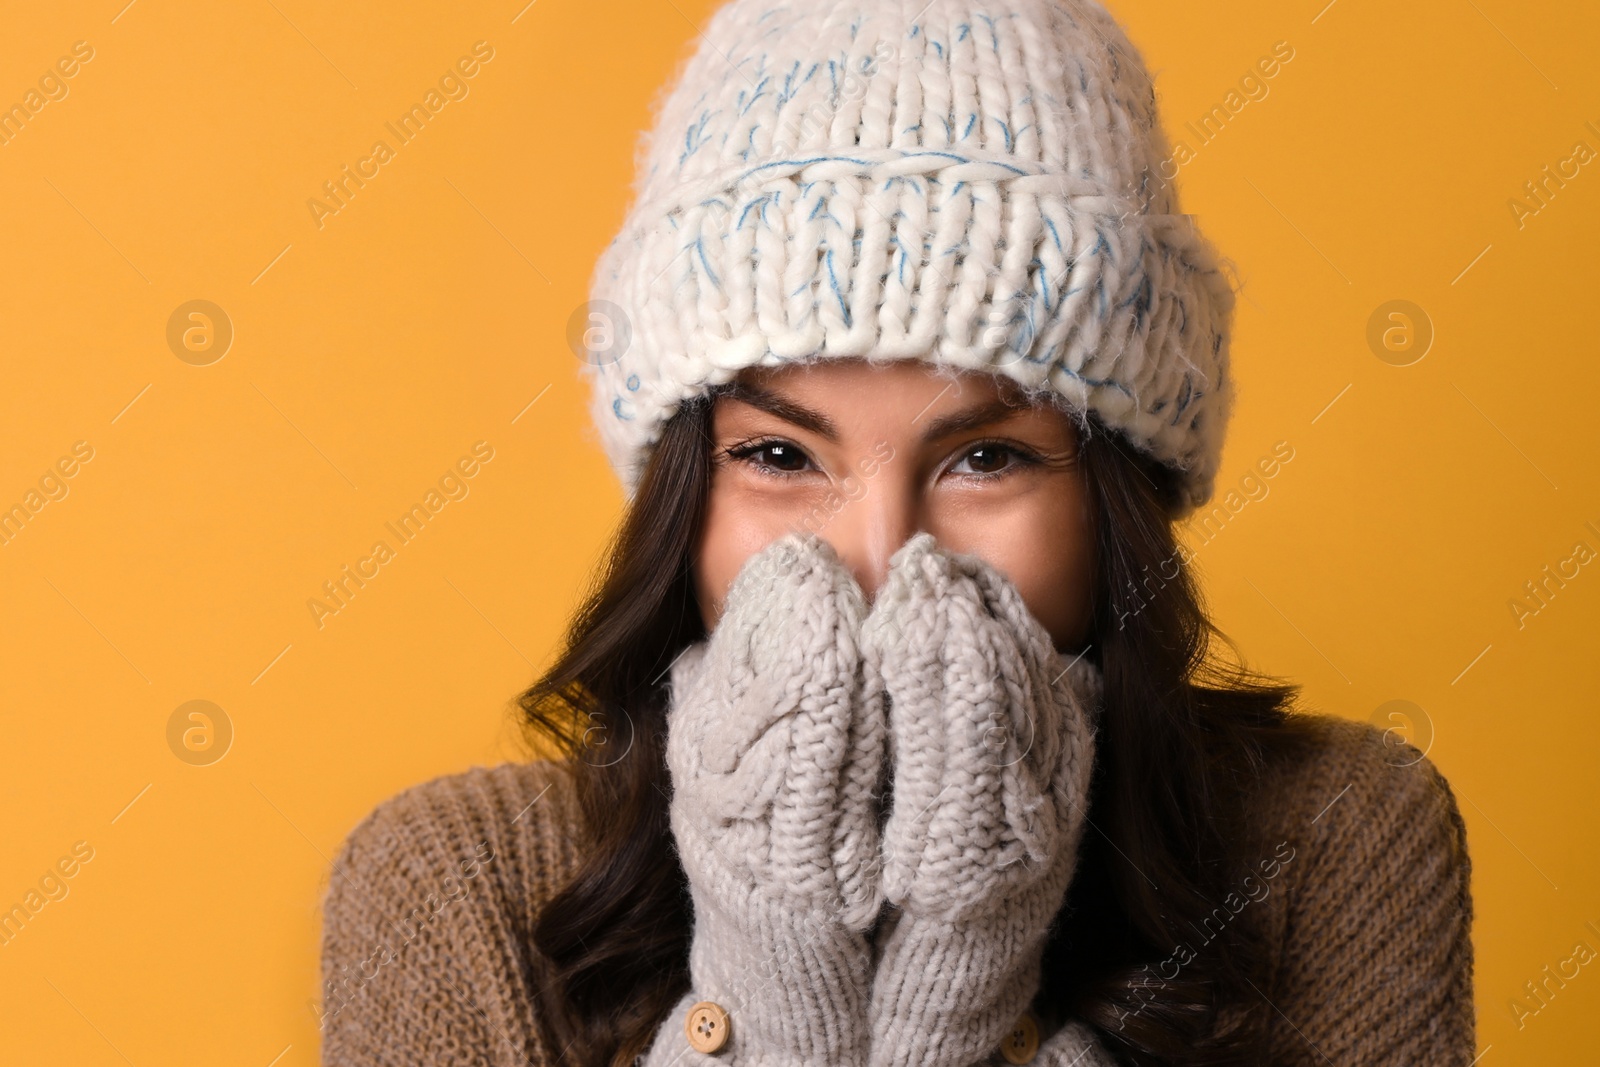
point(427, 956)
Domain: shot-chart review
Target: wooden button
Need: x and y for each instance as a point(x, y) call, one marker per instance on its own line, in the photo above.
point(707, 1027)
point(1022, 1043)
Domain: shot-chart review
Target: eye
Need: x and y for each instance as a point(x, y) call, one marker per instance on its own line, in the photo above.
point(777, 456)
point(988, 459)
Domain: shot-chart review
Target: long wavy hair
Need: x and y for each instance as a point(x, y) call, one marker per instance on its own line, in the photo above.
point(1183, 734)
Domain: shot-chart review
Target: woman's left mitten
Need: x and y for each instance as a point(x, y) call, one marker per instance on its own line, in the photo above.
point(775, 761)
point(993, 742)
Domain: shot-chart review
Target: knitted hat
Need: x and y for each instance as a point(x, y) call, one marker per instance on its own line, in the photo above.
point(970, 182)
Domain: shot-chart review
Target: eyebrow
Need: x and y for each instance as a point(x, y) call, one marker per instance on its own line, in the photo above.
point(782, 407)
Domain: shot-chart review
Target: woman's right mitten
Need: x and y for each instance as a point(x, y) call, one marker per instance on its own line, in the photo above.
point(775, 758)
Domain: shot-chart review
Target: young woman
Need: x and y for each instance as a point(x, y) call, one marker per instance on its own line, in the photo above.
point(894, 730)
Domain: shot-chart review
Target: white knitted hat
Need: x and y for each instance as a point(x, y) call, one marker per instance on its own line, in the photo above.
point(971, 182)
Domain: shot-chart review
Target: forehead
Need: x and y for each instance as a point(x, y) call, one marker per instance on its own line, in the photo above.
point(900, 400)
point(884, 381)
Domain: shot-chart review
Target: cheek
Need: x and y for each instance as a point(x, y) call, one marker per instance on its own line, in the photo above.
point(1043, 542)
point(737, 526)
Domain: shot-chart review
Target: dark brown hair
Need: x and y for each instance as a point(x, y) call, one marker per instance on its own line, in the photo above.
point(1182, 737)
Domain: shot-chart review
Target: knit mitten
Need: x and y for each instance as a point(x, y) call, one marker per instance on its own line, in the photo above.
point(776, 759)
point(1074, 1045)
point(992, 735)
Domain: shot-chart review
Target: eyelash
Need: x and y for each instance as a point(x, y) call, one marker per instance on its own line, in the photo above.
point(1021, 457)
point(744, 452)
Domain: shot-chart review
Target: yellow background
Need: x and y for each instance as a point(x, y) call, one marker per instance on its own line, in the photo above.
point(427, 314)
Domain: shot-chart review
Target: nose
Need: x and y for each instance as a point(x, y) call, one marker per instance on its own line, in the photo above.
point(868, 529)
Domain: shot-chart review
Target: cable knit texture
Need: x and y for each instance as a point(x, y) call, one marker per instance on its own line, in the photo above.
point(775, 761)
point(1369, 922)
point(970, 182)
point(993, 747)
